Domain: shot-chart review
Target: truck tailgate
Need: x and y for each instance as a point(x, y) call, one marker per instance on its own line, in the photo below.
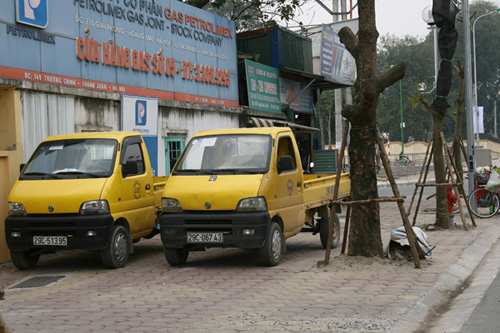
point(319, 189)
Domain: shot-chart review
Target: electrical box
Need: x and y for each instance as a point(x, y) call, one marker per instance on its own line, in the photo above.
point(483, 156)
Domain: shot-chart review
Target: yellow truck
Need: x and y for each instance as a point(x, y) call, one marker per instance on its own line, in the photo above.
point(244, 188)
point(92, 191)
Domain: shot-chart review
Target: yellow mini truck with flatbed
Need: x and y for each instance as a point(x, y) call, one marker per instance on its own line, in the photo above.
point(244, 188)
point(90, 191)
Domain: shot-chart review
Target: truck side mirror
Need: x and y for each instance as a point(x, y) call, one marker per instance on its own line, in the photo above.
point(130, 168)
point(285, 163)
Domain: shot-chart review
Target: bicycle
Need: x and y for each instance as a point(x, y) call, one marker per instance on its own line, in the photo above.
point(483, 203)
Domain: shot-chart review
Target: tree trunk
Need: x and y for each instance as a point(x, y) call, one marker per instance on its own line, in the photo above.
point(320, 120)
point(364, 235)
point(442, 219)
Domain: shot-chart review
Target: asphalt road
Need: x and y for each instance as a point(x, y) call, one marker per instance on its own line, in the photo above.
point(485, 317)
point(406, 191)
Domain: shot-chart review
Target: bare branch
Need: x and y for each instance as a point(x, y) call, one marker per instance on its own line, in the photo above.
point(392, 75)
point(349, 39)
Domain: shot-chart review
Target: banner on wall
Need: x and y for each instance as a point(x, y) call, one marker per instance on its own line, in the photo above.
point(297, 95)
point(263, 84)
point(140, 114)
point(337, 63)
point(160, 48)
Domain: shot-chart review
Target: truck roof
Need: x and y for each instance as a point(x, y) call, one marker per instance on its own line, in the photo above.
point(252, 130)
point(118, 135)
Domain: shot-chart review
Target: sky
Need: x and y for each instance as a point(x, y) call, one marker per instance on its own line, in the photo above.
point(398, 17)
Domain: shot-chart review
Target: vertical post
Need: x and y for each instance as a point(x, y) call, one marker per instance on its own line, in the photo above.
point(495, 118)
point(402, 123)
point(471, 162)
point(336, 194)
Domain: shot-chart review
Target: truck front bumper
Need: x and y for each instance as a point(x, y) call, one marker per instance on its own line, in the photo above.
point(174, 228)
point(75, 227)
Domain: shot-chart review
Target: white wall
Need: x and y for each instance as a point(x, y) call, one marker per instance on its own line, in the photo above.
point(45, 115)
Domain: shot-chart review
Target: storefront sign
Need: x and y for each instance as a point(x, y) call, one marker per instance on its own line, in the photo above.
point(140, 114)
point(263, 87)
point(161, 48)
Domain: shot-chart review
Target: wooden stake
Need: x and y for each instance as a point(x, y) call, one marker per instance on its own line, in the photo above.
point(346, 229)
point(336, 194)
point(420, 177)
point(416, 251)
point(421, 184)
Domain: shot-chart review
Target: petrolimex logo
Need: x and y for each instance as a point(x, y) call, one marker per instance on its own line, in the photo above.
point(141, 113)
point(32, 12)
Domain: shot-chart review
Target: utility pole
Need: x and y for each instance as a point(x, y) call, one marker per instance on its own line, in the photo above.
point(347, 90)
point(495, 118)
point(471, 159)
point(338, 92)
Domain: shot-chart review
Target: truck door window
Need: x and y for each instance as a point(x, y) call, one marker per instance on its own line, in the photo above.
point(285, 147)
point(133, 152)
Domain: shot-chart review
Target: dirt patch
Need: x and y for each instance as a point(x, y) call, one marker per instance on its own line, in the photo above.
point(344, 263)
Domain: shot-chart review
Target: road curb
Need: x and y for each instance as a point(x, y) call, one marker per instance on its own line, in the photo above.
point(448, 282)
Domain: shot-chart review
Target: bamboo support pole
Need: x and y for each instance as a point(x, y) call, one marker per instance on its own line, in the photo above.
point(414, 248)
point(346, 229)
point(427, 166)
point(420, 177)
point(336, 193)
point(458, 189)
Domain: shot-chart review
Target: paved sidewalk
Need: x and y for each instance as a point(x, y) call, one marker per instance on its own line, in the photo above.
point(226, 290)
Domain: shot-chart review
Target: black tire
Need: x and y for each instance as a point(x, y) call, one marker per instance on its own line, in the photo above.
point(176, 257)
point(115, 255)
point(23, 259)
point(324, 224)
point(270, 254)
point(483, 203)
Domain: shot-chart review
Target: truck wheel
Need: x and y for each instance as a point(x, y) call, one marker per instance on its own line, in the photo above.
point(270, 254)
point(23, 259)
point(115, 255)
point(324, 224)
point(176, 257)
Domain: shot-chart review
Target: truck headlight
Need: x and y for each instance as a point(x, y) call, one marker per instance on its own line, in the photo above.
point(257, 204)
point(170, 205)
point(16, 209)
point(94, 207)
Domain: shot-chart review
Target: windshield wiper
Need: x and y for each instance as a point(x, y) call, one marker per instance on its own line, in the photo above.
point(195, 172)
point(79, 173)
point(236, 171)
point(41, 174)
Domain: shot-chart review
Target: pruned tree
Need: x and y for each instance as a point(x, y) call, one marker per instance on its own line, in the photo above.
point(364, 235)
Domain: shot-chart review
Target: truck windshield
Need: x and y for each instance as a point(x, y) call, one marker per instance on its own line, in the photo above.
point(71, 159)
point(225, 154)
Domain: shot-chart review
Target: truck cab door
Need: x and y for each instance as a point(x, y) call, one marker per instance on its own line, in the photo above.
point(289, 185)
point(137, 186)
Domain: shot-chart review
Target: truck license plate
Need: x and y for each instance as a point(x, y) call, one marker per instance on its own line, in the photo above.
point(204, 237)
point(50, 240)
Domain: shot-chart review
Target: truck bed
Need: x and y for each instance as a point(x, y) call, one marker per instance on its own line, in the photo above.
point(319, 188)
point(159, 185)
